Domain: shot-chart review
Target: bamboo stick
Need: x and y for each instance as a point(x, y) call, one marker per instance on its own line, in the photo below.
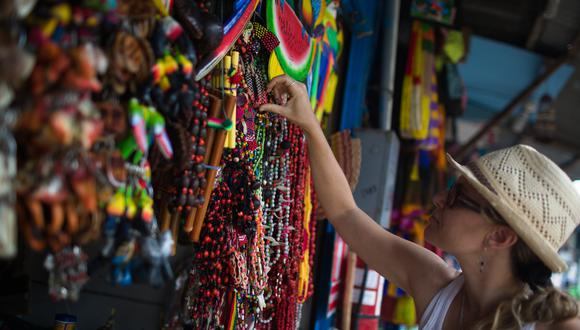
point(165, 218)
point(231, 136)
point(220, 136)
point(214, 112)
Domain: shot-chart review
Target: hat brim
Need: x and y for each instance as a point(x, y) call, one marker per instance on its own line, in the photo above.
point(517, 222)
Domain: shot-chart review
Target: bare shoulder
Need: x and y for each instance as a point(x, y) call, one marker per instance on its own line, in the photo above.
point(569, 324)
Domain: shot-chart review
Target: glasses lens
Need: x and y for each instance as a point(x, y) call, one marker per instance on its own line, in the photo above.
point(468, 203)
point(456, 198)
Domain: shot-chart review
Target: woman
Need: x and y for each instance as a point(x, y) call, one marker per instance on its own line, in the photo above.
point(504, 220)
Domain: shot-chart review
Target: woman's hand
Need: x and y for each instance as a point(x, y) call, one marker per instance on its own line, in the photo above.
point(293, 102)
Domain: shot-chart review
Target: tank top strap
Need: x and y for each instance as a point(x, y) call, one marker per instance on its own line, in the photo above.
point(434, 315)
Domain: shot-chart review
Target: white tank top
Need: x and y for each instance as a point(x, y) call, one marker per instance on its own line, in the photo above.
point(434, 315)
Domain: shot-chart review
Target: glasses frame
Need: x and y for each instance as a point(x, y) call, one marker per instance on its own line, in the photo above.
point(456, 198)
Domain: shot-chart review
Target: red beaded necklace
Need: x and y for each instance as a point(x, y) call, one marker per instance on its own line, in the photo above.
point(254, 238)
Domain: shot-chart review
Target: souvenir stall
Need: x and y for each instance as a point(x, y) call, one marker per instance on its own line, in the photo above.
point(414, 101)
point(431, 96)
point(422, 163)
point(132, 127)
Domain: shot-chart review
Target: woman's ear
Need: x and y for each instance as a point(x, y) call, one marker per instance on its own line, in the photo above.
point(501, 237)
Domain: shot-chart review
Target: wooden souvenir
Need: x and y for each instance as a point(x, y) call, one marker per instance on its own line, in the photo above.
point(214, 111)
point(217, 149)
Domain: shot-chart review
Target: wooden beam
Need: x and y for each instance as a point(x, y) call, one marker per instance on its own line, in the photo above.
point(523, 95)
point(548, 13)
point(537, 29)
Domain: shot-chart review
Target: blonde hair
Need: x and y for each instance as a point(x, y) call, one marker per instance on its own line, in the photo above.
point(538, 301)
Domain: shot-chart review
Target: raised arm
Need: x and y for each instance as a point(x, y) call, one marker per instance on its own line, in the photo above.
point(402, 262)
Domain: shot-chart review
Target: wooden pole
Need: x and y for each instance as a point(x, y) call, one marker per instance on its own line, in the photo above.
point(216, 156)
point(214, 111)
point(348, 289)
point(165, 217)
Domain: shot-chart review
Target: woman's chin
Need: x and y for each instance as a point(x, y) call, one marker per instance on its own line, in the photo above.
point(430, 236)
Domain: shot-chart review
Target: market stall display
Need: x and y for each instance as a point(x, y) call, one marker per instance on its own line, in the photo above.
point(134, 124)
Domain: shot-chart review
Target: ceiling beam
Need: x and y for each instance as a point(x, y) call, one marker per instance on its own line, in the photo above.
point(523, 95)
point(549, 13)
point(536, 32)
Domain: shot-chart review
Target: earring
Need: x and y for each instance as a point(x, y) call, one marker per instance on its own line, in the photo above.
point(482, 260)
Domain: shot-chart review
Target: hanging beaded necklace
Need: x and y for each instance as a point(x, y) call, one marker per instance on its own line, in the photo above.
point(254, 238)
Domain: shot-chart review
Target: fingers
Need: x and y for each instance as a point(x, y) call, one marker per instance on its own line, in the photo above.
point(276, 81)
point(274, 108)
point(284, 84)
point(277, 87)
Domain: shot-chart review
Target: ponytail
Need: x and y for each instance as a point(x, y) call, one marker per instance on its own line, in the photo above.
point(538, 301)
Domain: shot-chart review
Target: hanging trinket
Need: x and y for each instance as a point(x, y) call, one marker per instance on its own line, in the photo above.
point(67, 273)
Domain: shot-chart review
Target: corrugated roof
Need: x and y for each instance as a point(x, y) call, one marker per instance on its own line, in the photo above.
point(508, 21)
point(523, 23)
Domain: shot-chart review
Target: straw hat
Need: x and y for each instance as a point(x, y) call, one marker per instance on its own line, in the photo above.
point(534, 196)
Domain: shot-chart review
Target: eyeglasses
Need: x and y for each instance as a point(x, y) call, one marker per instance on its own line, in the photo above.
point(455, 198)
